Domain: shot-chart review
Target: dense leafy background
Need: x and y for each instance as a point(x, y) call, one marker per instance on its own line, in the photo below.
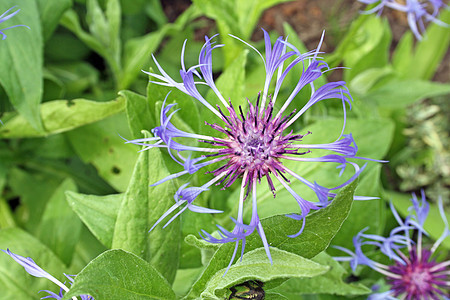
point(77, 199)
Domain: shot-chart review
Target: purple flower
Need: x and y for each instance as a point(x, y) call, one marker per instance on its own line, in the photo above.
point(33, 269)
point(416, 12)
point(414, 274)
point(251, 144)
point(4, 17)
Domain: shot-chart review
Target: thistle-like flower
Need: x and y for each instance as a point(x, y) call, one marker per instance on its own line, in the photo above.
point(416, 12)
point(414, 274)
point(251, 145)
point(33, 269)
point(4, 17)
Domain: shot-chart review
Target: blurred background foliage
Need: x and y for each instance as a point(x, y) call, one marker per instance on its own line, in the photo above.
point(72, 85)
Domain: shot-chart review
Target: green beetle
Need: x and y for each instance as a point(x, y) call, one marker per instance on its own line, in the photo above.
point(248, 290)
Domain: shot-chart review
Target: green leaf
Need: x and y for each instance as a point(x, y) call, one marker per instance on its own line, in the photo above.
point(130, 231)
point(34, 190)
point(329, 283)
point(431, 49)
point(403, 57)
point(69, 78)
point(104, 36)
point(401, 93)
point(50, 12)
point(100, 144)
point(235, 17)
point(141, 207)
point(21, 57)
point(434, 224)
point(15, 282)
point(363, 213)
point(138, 113)
point(137, 51)
point(255, 265)
point(62, 115)
point(319, 230)
point(98, 213)
point(60, 227)
point(184, 280)
point(369, 47)
point(363, 82)
point(118, 275)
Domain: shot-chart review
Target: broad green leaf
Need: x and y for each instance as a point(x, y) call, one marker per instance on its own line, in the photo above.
point(131, 227)
point(319, 230)
point(401, 93)
point(85, 176)
point(104, 35)
point(254, 265)
point(235, 17)
point(137, 51)
point(403, 58)
point(376, 57)
point(71, 21)
point(88, 248)
point(434, 224)
point(100, 144)
point(34, 190)
point(431, 49)
point(72, 78)
point(363, 213)
point(60, 227)
point(6, 215)
point(141, 207)
point(184, 280)
point(15, 282)
point(63, 115)
point(332, 282)
point(98, 213)
point(118, 275)
point(21, 57)
point(138, 113)
point(368, 46)
point(50, 12)
point(274, 296)
point(363, 82)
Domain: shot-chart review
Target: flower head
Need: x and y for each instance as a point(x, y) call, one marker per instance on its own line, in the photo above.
point(4, 17)
point(33, 269)
point(414, 274)
point(251, 143)
point(416, 12)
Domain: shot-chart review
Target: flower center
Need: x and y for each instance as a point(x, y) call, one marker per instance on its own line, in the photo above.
point(417, 279)
point(254, 143)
